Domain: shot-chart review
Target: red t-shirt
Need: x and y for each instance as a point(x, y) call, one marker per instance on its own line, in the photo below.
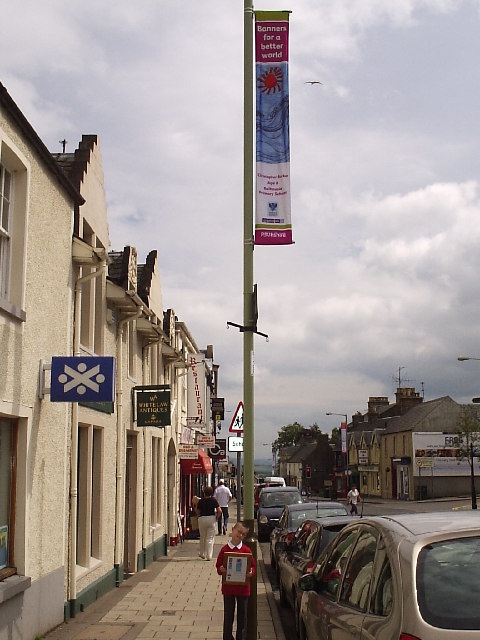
point(235, 589)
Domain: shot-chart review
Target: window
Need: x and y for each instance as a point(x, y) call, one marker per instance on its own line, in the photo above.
point(356, 581)
point(7, 494)
point(334, 569)
point(156, 492)
point(13, 208)
point(382, 587)
point(132, 349)
point(5, 229)
point(90, 484)
point(93, 311)
point(447, 583)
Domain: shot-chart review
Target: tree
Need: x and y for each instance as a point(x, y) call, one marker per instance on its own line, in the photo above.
point(336, 437)
point(288, 435)
point(468, 426)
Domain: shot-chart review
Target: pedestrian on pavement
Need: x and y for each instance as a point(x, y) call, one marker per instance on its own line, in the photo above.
point(235, 593)
point(208, 511)
point(353, 497)
point(223, 495)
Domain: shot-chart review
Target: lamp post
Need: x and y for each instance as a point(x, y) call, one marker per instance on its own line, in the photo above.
point(344, 446)
point(472, 471)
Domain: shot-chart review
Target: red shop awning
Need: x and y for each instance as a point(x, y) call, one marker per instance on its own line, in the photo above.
point(202, 464)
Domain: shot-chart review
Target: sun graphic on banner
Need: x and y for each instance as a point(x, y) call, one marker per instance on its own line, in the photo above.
point(271, 81)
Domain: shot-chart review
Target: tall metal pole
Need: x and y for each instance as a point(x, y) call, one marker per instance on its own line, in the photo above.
point(248, 306)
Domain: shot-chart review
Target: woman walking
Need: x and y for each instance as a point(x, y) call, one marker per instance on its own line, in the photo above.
point(208, 511)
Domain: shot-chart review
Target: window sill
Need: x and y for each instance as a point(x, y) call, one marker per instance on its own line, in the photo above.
point(82, 571)
point(12, 586)
point(12, 310)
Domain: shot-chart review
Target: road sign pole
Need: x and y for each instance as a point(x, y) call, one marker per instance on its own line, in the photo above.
point(239, 486)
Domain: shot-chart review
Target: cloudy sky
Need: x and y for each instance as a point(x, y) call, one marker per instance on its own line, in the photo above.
point(385, 177)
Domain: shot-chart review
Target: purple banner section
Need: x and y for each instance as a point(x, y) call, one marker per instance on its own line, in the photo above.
point(271, 42)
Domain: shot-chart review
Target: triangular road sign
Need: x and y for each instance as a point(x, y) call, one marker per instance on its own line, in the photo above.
point(236, 425)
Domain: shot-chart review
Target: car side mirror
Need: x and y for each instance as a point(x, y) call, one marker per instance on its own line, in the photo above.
point(308, 582)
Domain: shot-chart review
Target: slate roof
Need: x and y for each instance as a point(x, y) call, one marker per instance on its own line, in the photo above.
point(302, 452)
point(416, 418)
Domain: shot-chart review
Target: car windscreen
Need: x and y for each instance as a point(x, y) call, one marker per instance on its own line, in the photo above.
point(279, 498)
point(448, 585)
point(297, 517)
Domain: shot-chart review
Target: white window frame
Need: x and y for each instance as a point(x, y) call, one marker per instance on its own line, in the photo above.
point(13, 234)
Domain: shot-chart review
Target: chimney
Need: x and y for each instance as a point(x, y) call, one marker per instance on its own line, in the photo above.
point(406, 398)
point(375, 403)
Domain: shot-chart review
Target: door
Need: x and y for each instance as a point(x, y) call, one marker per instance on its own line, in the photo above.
point(130, 524)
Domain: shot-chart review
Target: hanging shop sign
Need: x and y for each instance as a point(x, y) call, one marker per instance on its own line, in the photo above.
point(82, 379)
point(153, 406)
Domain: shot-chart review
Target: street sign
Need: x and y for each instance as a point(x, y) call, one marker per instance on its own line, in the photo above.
point(235, 444)
point(187, 451)
point(206, 441)
point(236, 425)
point(82, 379)
point(218, 451)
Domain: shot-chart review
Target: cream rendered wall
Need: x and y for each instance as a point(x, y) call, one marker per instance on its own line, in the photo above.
point(43, 431)
point(94, 212)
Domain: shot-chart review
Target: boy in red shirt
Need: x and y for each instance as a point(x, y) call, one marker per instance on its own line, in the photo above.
point(235, 592)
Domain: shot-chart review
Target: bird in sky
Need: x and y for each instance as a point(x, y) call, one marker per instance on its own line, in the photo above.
point(313, 82)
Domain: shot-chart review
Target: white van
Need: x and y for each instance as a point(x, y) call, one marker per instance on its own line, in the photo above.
point(276, 481)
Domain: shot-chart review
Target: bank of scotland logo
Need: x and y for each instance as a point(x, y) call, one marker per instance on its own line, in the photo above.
point(273, 206)
point(82, 379)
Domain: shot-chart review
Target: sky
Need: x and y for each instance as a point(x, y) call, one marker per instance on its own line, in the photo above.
point(381, 283)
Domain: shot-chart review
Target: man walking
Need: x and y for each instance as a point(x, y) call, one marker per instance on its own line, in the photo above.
point(223, 496)
point(353, 497)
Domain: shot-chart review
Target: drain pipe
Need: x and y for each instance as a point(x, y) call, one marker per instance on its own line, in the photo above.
point(72, 583)
point(120, 442)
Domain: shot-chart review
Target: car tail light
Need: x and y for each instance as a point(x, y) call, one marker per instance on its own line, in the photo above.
point(407, 636)
point(310, 566)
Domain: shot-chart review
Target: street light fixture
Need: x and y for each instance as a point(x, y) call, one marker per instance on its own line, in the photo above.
point(472, 471)
point(344, 444)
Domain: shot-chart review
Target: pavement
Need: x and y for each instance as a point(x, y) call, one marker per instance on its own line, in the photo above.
point(175, 598)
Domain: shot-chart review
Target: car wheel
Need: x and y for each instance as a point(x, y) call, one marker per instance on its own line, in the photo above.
point(283, 595)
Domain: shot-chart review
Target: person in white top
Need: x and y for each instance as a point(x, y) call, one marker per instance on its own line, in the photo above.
point(353, 497)
point(223, 496)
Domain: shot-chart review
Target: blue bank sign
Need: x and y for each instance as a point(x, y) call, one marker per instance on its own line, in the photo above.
point(82, 379)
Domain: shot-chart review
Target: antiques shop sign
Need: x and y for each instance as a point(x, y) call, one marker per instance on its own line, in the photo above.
point(153, 407)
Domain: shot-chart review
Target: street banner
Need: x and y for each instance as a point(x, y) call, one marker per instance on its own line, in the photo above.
point(196, 391)
point(343, 433)
point(273, 208)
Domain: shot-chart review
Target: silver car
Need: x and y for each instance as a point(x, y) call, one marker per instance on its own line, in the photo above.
point(403, 577)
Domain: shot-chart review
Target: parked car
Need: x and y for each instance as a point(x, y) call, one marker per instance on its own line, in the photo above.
point(271, 504)
point(268, 482)
point(298, 556)
point(407, 577)
point(292, 517)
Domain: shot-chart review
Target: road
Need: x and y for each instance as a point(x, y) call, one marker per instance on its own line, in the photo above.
point(371, 507)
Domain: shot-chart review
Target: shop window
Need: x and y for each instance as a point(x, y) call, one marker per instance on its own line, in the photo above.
point(7, 496)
